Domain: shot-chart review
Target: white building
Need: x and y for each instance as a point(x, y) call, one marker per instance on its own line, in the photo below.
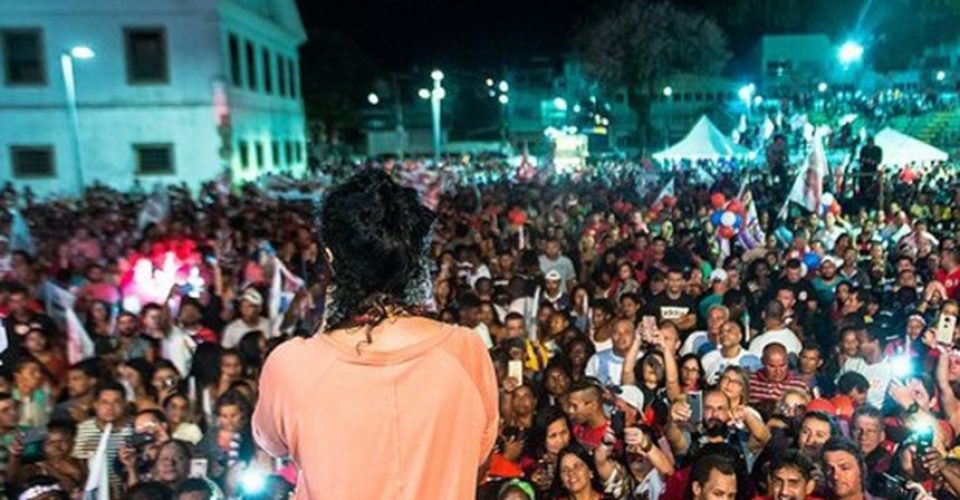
point(175, 90)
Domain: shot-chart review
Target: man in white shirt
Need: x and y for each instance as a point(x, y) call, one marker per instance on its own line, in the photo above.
point(251, 302)
point(470, 318)
point(873, 365)
point(607, 364)
point(552, 260)
point(729, 354)
point(775, 332)
point(704, 341)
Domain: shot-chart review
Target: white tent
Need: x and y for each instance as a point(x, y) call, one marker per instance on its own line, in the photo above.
point(901, 149)
point(703, 142)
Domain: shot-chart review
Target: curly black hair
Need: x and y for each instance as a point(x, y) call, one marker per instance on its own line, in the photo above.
point(377, 232)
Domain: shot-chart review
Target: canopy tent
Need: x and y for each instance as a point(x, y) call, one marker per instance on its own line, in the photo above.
point(901, 149)
point(703, 142)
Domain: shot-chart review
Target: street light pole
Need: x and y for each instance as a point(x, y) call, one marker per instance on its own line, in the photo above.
point(70, 85)
point(435, 98)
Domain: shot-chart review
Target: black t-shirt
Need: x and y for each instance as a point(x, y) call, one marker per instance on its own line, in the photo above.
point(665, 308)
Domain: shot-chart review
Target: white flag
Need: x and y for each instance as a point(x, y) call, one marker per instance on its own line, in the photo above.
point(807, 190)
point(79, 344)
point(668, 191)
point(283, 286)
point(98, 478)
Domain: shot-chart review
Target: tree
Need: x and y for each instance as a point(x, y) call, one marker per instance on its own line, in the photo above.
point(638, 43)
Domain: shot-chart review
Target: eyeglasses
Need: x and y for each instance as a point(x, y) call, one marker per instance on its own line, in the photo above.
point(865, 432)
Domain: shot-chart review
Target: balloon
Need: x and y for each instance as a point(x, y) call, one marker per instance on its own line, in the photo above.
point(812, 260)
point(517, 217)
point(735, 206)
point(726, 232)
point(718, 200)
point(728, 219)
point(827, 199)
point(715, 218)
point(835, 209)
point(784, 235)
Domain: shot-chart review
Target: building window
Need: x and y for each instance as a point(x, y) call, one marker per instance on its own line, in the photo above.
point(236, 75)
point(288, 151)
point(244, 154)
point(281, 75)
point(32, 161)
point(251, 66)
point(258, 150)
point(23, 61)
point(275, 153)
point(291, 65)
point(299, 152)
point(267, 74)
point(154, 158)
point(147, 55)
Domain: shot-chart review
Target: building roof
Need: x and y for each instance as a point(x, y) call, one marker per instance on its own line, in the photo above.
point(281, 13)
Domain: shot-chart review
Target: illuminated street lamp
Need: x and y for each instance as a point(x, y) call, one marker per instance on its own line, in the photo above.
point(667, 91)
point(822, 87)
point(560, 103)
point(850, 52)
point(489, 82)
point(67, 57)
point(373, 98)
point(503, 86)
point(435, 96)
point(941, 75)
point(504, 99)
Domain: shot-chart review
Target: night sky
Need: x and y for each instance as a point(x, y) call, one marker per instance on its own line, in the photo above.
point(398, 33)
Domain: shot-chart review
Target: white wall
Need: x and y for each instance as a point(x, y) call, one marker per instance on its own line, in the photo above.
point(114, 114)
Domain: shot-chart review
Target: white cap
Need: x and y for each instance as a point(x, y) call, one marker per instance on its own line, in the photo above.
point(553, 275)
point(252, 296)
point(631, 395)
point(718, 275)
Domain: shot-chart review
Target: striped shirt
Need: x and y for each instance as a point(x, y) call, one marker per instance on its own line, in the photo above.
point(764, 393)
point(87, 440)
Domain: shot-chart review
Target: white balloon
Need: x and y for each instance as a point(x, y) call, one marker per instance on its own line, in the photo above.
point(827, 199)
point(728, 219)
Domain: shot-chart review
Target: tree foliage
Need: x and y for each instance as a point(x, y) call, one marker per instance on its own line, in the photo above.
point(635, 43)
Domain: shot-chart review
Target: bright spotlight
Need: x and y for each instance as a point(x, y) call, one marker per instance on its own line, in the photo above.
point(822, 87)
point(440, 93)
point(437, 75)
point(746, 92)
point(423, 93)
point(667, 91)
point(82, 52)
point(941, 75)
point(489, 82)
point(504, 87)
point(504, 99)
point(253, 481)
point(560, 103)
point(850, 52)
point(373, 99)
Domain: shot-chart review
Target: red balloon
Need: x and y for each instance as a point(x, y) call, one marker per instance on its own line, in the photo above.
point(835, 208)
point(735, 206)
point(669, 201)
point(726, 232)
point(718, 200)
point(517, 217)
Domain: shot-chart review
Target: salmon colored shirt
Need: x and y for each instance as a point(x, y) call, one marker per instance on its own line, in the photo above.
point(411, 423)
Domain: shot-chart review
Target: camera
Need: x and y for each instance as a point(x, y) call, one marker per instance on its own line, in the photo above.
point(140, 440)
point(889, 486)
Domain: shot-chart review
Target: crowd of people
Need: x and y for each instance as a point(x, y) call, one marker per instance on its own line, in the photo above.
point(636, 356)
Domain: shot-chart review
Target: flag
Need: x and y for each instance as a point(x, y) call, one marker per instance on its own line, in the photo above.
point(98, 479)
point(668, 192)
point(156, 209)
point(283, 286)
point(20, 237)
point(79, 344)
point(807, 190)
point(751, 233)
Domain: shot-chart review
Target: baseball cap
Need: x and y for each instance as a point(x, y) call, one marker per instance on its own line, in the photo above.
point(718, 275)
point(252, 296)
point(631, 395)
point(553, 275)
